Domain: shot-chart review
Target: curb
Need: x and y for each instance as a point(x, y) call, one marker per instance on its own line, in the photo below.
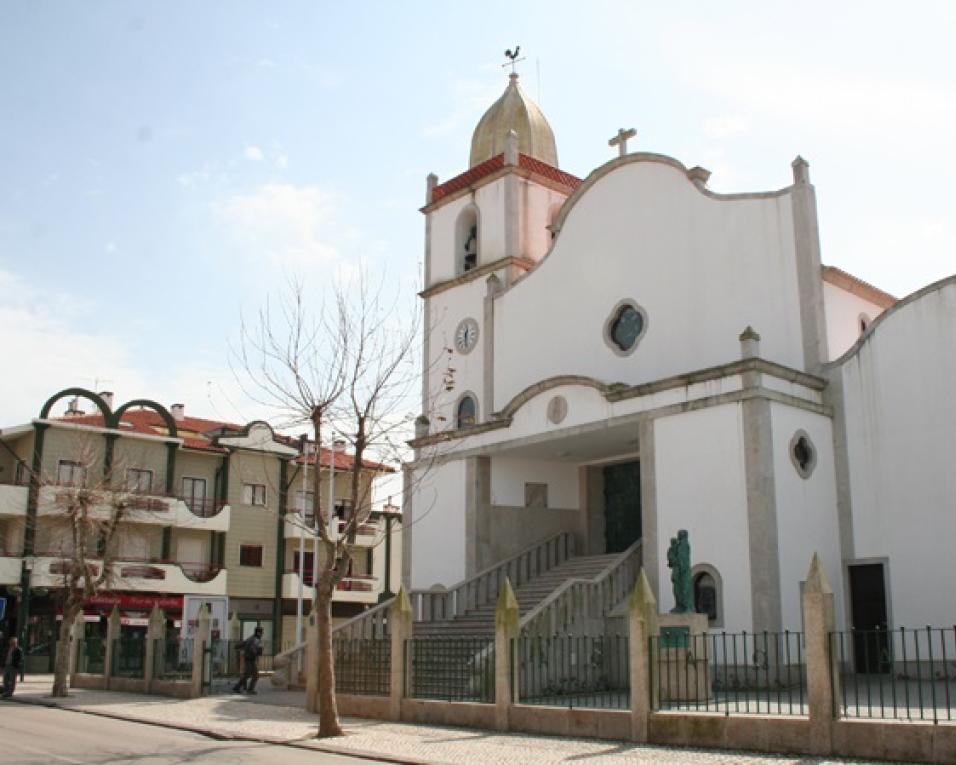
point(217, 736)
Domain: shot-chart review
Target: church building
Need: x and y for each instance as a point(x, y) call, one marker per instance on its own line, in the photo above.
point(629, 354)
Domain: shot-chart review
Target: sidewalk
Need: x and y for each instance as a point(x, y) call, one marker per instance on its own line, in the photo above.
point(278, 717)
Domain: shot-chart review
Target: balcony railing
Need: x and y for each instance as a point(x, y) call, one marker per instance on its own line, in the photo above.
point(353, 583)
point(203, 507)
point(136, 568)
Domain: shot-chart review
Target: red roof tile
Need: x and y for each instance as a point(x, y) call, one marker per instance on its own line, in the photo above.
point(489, 166)
point(199, 433)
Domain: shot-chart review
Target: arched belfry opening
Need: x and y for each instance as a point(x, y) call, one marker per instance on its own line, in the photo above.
point(467, 240)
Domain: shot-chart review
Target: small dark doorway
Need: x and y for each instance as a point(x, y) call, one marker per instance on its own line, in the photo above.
point(622, 506)
point(868, 611)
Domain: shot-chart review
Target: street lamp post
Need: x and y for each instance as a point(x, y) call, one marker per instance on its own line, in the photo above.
point(28, 562)
point(304, 497)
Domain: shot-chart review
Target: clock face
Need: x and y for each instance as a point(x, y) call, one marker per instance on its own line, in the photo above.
point(466, 336)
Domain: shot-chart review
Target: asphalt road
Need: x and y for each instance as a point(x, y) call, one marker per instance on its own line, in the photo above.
point(31, 735)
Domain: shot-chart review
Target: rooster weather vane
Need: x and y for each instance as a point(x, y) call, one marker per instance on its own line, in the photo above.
point(514, 58)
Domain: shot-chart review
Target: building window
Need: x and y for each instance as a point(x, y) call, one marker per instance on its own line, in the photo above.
point(250, 555)
point(707, 593)
point(466, 240)
point(803, 453)
point(254, 494)
point(70, 473)
point(467, 414)
point(536, 495)
point(194, 494)
point(305, 504)
point(625, 327)
point(139, 481)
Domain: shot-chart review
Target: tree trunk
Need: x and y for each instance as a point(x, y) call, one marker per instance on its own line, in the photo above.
point(61, 664)
point(328, 708)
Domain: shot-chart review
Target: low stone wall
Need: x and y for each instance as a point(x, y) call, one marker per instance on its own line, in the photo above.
point(464, 713)
point(374, 707)
point(89, 682)
point(559, 721)
point(177, 689)
point(127, 684)
point(896, 740)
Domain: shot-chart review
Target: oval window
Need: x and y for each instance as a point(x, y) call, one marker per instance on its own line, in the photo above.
point(626, 327)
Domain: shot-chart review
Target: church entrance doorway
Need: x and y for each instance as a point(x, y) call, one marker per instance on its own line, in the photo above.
point(868, 609)
point(622, 506)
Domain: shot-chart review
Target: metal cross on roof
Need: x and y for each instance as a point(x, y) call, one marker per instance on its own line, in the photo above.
point(620, 140)
point(513, 58)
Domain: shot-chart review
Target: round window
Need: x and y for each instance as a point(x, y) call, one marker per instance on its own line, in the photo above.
point(803, 454)
point(625, 327)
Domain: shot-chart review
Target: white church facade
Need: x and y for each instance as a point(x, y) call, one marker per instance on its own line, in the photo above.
point(629, 354)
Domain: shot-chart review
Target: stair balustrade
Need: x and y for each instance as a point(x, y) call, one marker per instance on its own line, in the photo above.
point(581, 606)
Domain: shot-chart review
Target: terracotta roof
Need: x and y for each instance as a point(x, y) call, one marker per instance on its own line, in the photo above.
point(199, 433)
point(855, 285)
point(496, 163)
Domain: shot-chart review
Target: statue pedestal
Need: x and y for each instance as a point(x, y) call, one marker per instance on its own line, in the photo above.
point(681, 662)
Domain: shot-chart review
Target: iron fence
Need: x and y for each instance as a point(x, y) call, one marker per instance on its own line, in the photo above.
point(907, 674)
point(731, 673)
point(451, 668)
point(129, 657)
point(363, 666)
point(91, 656)
point(173, 659)
point(573, 671)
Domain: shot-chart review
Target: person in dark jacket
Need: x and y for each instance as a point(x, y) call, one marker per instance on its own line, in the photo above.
point(12, 665)
point(251, 650)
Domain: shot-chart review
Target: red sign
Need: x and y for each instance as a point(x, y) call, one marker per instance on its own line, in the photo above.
point(136, 602)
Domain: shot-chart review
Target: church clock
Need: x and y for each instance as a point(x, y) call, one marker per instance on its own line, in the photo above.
point(466, 335)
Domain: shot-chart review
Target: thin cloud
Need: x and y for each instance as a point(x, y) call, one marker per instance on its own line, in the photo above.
point(253, 154)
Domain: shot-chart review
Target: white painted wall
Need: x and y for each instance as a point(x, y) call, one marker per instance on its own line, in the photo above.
point(701, 487)
point(536, 204)
point(702, 268)
point(438, 525)
point(901, 418)
point(509, 475)
point(806, 509)
point(446, 310)
point(843, 311)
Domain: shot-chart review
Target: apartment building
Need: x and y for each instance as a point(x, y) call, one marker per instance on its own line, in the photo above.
point(218, 510)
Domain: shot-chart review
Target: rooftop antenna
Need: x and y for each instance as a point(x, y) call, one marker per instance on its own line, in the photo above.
point(96, 382)
point(513, 58)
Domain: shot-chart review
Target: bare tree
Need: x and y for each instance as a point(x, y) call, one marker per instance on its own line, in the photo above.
point(354, 370)
point(93, 514)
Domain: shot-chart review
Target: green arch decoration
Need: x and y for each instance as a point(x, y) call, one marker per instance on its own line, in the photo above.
point(79, 392)
point(146, 403)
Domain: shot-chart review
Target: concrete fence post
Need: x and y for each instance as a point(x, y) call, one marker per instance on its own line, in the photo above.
point(642, 626)
point(507, 627)
point(823, 675)
point(155, 631)
point(112, 635)
point(310, 663)
point(201, 637)
point(400, 625)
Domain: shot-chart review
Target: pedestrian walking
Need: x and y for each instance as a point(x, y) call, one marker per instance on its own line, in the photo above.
point(12, 665)
point(251, 650)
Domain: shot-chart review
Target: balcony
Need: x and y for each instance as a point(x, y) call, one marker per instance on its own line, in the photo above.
point(143, 507)
point(13, 499)
point(352, 589)
point(10, 568)
point(142, 576)
point(368, 533)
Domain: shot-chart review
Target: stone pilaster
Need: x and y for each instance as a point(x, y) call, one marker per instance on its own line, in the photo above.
point(507, 627)
point(400, 624)
point(155, 632)
point(201, 638)
point(642, 625)
point(823, 676)
point(112, 635)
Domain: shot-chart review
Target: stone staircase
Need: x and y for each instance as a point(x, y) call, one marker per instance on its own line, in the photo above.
point(481, 620)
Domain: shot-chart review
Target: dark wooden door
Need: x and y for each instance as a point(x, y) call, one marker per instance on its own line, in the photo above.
point(622, 506)
point(868, 609)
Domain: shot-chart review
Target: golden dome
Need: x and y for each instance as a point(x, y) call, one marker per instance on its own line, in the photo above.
point(513, 111)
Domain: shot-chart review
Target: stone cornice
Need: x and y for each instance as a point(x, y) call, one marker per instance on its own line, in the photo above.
point(521, 172)
point(613, 392)
point(477, 273)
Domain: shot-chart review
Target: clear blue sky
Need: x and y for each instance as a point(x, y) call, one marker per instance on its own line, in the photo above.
point(164, 165)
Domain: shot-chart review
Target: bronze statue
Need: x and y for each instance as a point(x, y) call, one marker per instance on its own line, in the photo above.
point(678, 561)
